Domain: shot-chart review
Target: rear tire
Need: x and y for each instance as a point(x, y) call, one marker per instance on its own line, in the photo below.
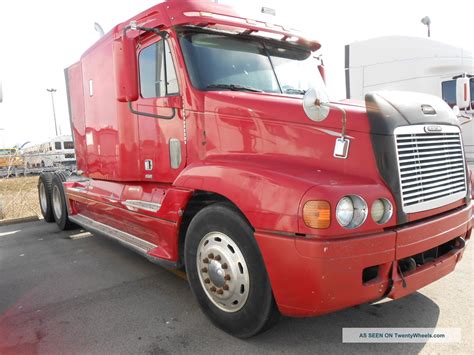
point(58, 201)
point(44, 194)
point(227, 274)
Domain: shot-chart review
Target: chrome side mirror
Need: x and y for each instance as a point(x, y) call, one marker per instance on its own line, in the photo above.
point(317, 107)
point(463, 93)
point(316, 104)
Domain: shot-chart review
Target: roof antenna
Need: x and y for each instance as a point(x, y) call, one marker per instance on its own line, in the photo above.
point(99, 29)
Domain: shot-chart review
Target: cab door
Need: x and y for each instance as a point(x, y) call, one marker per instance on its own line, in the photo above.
point(159, 113)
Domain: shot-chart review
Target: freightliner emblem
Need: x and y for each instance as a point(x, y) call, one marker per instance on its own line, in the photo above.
point(431, 129)
point(428, 110)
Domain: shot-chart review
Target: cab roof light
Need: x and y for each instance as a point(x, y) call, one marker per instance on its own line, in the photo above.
point(299, 39)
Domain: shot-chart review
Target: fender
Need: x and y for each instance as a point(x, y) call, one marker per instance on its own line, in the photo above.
point(271, 190)
point(267, 189)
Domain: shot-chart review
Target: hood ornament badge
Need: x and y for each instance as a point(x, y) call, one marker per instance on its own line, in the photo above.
point(428, 110)
point(433, 129)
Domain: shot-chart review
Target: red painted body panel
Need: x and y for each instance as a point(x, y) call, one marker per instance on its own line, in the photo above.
point(103, 201)
point(315, 276)
point(77, 114)
point(259, 151)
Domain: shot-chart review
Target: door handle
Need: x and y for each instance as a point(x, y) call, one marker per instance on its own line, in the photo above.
point(173, 113)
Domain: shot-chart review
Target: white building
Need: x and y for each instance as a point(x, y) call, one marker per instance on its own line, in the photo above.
point(411, 64)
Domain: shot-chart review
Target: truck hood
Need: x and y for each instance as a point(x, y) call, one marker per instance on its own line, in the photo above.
point(388, 110)
point(284, 108)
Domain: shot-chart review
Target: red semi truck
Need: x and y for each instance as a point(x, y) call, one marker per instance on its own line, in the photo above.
point(205, 141)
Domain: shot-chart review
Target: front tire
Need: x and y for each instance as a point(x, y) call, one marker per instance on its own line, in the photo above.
point(227, 274)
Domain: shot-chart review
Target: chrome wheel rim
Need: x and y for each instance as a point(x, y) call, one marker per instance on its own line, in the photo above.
point(43, 199)
point(57, 206)
point(223, 272)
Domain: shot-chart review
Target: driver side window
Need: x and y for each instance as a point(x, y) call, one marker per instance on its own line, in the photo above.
point(157, 72)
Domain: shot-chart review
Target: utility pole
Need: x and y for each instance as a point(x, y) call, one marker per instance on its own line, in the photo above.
point(52, 91)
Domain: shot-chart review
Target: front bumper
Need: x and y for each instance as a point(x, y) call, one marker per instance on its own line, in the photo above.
point(313, 276)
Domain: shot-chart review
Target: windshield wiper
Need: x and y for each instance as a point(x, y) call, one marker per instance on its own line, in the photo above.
point(232, 87)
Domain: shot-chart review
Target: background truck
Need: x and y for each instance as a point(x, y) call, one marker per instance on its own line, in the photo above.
point(413, 64)
point(205, 141)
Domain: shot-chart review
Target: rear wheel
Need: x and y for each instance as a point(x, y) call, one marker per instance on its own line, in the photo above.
point(227, 273)
point(58, 200)
point(44, 194)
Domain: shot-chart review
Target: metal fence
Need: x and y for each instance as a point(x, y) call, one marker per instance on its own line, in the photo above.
point(16, 165)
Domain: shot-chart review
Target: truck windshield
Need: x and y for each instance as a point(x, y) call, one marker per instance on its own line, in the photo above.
point(229, 62)
point(448, 90)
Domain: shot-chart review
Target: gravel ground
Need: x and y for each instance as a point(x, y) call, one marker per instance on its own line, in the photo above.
point(91, 295)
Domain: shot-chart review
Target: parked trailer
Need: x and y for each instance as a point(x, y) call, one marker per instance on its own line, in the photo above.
point(57, 152)
point(206, 141)
point(414, 64)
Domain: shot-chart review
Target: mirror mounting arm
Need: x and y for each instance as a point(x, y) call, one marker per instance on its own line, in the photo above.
point(341, 148)
point(134, 27)
point(468, 118)
point(344, 116)
point(164, 35)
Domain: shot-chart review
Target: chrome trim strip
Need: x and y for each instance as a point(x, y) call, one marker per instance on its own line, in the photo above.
point(77, 189)
point(135, 205)
point(136, 243)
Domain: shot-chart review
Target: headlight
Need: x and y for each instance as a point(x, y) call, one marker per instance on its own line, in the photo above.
point(381, 211)
point(351, 211)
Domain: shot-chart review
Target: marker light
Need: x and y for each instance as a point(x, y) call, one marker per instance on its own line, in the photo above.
point(317, 214)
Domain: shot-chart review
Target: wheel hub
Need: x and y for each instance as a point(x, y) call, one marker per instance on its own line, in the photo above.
point(43, 199)
point(223, 272)
point(57, 205)
point(216, 273)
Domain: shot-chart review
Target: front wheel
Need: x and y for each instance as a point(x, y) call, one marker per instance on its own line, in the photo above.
point(227, 273)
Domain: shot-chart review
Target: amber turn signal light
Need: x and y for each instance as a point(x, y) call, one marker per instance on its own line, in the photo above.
point(317, 214)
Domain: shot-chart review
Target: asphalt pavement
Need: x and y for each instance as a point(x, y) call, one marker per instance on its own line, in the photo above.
point(91, 295)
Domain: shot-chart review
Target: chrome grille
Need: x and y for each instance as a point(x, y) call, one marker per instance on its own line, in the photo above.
point(431, 166)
